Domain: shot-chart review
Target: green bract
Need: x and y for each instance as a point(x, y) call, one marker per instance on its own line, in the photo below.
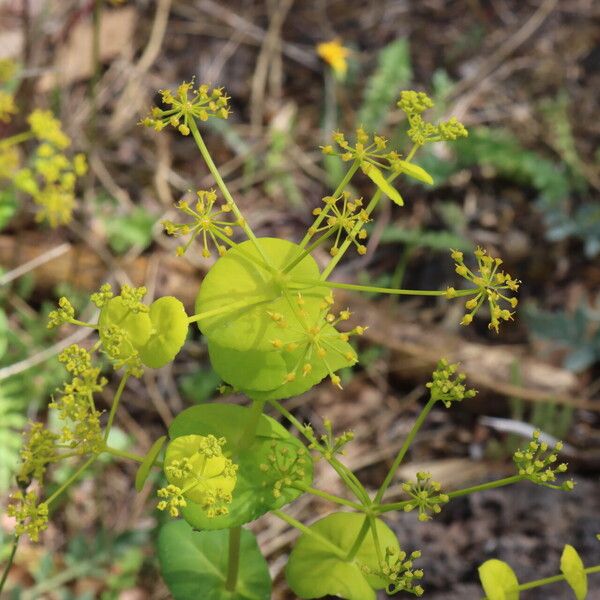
point(169, 330)
point(194, 564)
point(317, 565)
point(253, 494)
point(573, 569)
point(498, 580)
point(267, 325)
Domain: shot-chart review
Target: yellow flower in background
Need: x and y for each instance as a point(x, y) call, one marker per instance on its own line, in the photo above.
point(335, 54)
point(7, 106)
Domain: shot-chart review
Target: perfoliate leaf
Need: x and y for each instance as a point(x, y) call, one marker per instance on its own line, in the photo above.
point(255, 296)
point(144, 468)
point(253, 494)
point(376, 176)
point(498, 580)
point(414, 171)
point(169, 330)
point(571, 566)
point(194, 564)
point(316, 567)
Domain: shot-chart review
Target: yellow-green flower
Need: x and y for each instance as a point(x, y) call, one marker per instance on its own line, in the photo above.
point(335, 55)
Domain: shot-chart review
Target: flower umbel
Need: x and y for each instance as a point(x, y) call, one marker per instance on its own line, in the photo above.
point(208, 223)
point(426, 496)
point(328, 445)
point(447, 384)
point(342, 221)
point(367, 149)
point(198, 472)
point(537, 462)
point(492, 285)
point(286, 464)
point(31, 515)
point(187, 103)
point(399, 572)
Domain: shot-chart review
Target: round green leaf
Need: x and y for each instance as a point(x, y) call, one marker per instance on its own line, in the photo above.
point(498, 580)
point(572, 568)
point(316, 566)
point(169, 330)
point(194, 564)
point(253, 494)
point(250, 369)
point(144, 468)
point(137, 326)
point(238, 278)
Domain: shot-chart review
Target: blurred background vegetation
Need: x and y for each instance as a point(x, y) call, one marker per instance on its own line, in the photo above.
point(523, 75)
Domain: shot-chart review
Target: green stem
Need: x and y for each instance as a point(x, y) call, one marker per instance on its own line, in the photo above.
point(347, 476)
point(115, 404)
point(228, 308)
point(402, 453)
point(226, 194)
point(124, 454)
point(330, 497)
point(382, 290)
point(16, 139)
point(233, 564)
point(9, 564)
point(308, 250)
point(360, 538)
point(83, 323)
point(307, 531)
point(340, 188)
point(373, 528)
point(71, 479)
point(256, 411)
point(383, 508)
point(554, 579)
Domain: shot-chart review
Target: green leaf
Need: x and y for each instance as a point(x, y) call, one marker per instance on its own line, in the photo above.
point(194, 564)
point(316, 566)
point(144, 468)
point(498, 580)
point(236, 278)
point(571, 566)
point(253, 494)
point(414, 171)
point(8, 206)
point(380, 181)
point(393, 72)
point(169, 330)
point(424, 238)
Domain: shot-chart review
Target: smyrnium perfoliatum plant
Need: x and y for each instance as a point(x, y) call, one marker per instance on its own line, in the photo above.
point(267, 311)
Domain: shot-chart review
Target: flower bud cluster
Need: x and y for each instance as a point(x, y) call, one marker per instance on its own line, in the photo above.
point(539, 464)
point(366, 149)
point(287, 466)
point(328, 445)
point(447, 384)
point(399, 573)
point(31, 516)
point(426, 496)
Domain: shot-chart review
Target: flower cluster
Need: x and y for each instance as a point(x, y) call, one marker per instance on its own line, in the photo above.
point(328, 445)
point(198, 472)
point(187, 104)
point(81, 429)
point(426, 496)
point(492, 285)
point(447, 384)
point(52, 176)
point(65, 313)
point(538, 464)
point(286, 464)
point(208, 222)
point(317, 341)
point(38, 450)
point(8, 107)
point(335, 55)
point(413, 104)
point(366, 149)
point(346, 221)
point(399, 572)
point(31, 516)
